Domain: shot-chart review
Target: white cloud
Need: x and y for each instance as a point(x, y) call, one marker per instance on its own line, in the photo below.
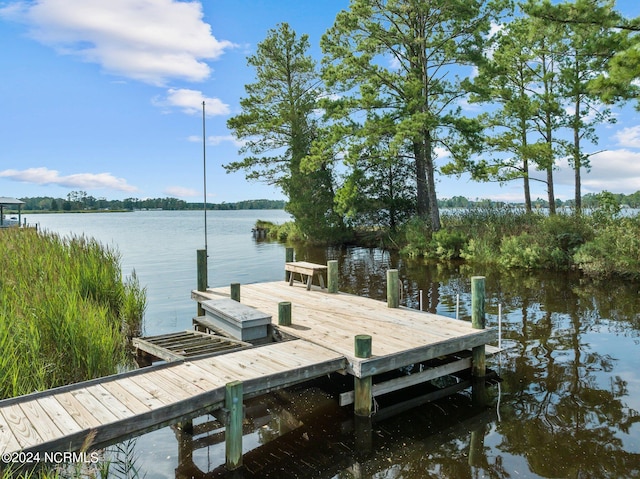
point(617, 171)
point(180, 191)
point(217, 139)
point(190, 102)
point(147, 40)
point(629, 137)
point(45, 176)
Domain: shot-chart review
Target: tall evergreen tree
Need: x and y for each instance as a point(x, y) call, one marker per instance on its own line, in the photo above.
point(507, 80)
point(278, 123)
point(392, 60)
point(547, 45)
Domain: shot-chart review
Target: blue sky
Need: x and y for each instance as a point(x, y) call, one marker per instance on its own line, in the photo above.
point(105, 97)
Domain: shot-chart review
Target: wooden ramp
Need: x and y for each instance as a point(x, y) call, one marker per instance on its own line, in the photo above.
point(400, 336)
point(118, 406)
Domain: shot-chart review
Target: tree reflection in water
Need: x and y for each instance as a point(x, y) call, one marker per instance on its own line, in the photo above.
point(568, 405)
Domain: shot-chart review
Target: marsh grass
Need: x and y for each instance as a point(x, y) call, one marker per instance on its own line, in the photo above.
point(119, 461)
point(65, 310)
point(602, 243)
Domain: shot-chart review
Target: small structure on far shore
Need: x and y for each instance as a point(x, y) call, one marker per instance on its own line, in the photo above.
point(13, 203)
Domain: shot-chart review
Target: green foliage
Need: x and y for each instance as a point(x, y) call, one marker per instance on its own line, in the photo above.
point(417, 237)
point(278, 123)
point(515, 239)
point(479, 251)
point(64, 313)
point(607, 209)
point(447, 245)
point(615, 250)
point(520, 252)
point(407, 109)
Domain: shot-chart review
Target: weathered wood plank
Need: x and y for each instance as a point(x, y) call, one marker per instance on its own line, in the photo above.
point(8, 441)
point(149, 399)
point(110, 402)
point(126, 397)
point(400, 336)
point(20, 425)
point(403, 382)
point(40, 420)
point(59, 415)
point(94, 406)
point(77, 410)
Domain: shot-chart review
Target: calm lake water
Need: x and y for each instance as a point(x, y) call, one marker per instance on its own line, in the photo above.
point(568, 406)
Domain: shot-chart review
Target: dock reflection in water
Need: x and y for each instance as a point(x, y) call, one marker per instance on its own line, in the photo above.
point(302, 433)
point(570, 399)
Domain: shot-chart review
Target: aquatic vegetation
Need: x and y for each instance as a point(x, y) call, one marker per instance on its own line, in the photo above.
point(65, 310)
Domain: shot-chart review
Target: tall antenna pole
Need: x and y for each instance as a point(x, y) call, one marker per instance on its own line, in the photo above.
point(204, 162)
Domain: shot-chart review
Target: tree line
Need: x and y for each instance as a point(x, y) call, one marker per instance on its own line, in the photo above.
point(81, 201)
point(88, 203)
point(361, 138)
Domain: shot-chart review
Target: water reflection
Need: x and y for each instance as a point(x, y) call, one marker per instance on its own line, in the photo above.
point(570, 398)
point(306, 435)
point(568, 405)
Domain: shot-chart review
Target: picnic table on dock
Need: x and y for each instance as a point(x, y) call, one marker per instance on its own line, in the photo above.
point(306, 271)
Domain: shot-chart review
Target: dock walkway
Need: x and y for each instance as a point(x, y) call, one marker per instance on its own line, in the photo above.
point(115, 407)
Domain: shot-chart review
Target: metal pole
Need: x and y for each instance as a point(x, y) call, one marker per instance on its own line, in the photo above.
point(500, 326)
point(204, 161)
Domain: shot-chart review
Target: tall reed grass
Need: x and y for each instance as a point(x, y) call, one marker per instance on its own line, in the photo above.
point(65, 310)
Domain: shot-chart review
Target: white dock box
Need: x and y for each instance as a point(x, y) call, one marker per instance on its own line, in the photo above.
point(239, 320)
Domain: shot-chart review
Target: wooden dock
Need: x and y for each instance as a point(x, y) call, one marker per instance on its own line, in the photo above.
point(325, 325)
point(400, 336)
point(127, 404)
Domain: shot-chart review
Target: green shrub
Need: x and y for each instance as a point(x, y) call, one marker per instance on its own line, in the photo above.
point(417, 237)
point(520, 252)
point(615, 249)
point(447, 245)
point(479, 250)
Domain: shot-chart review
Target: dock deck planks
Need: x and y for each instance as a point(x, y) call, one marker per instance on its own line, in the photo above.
point(400, 336)
point(116, 406)
point(325, 324)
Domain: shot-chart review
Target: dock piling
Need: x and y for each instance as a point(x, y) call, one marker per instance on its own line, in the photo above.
point(332, 276)
point(284, 313)
point(393, 289)
point(363, 396)
point(478, 358)
point(235, 291)
point(202, 274)
point(233, 428)
point(288, 258)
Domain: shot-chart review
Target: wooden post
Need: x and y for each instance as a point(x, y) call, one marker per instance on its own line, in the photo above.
point(288, 258)
point(477, 302)
point(362, 386)
point(233, 428)
point(202, 276)
point(478, 356)
point(393, 290)
point(478, 322)
point(284, 313)
point(332, 276)
point(235, 291)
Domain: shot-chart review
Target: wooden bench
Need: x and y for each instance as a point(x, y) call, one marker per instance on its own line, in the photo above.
point(306, 271)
